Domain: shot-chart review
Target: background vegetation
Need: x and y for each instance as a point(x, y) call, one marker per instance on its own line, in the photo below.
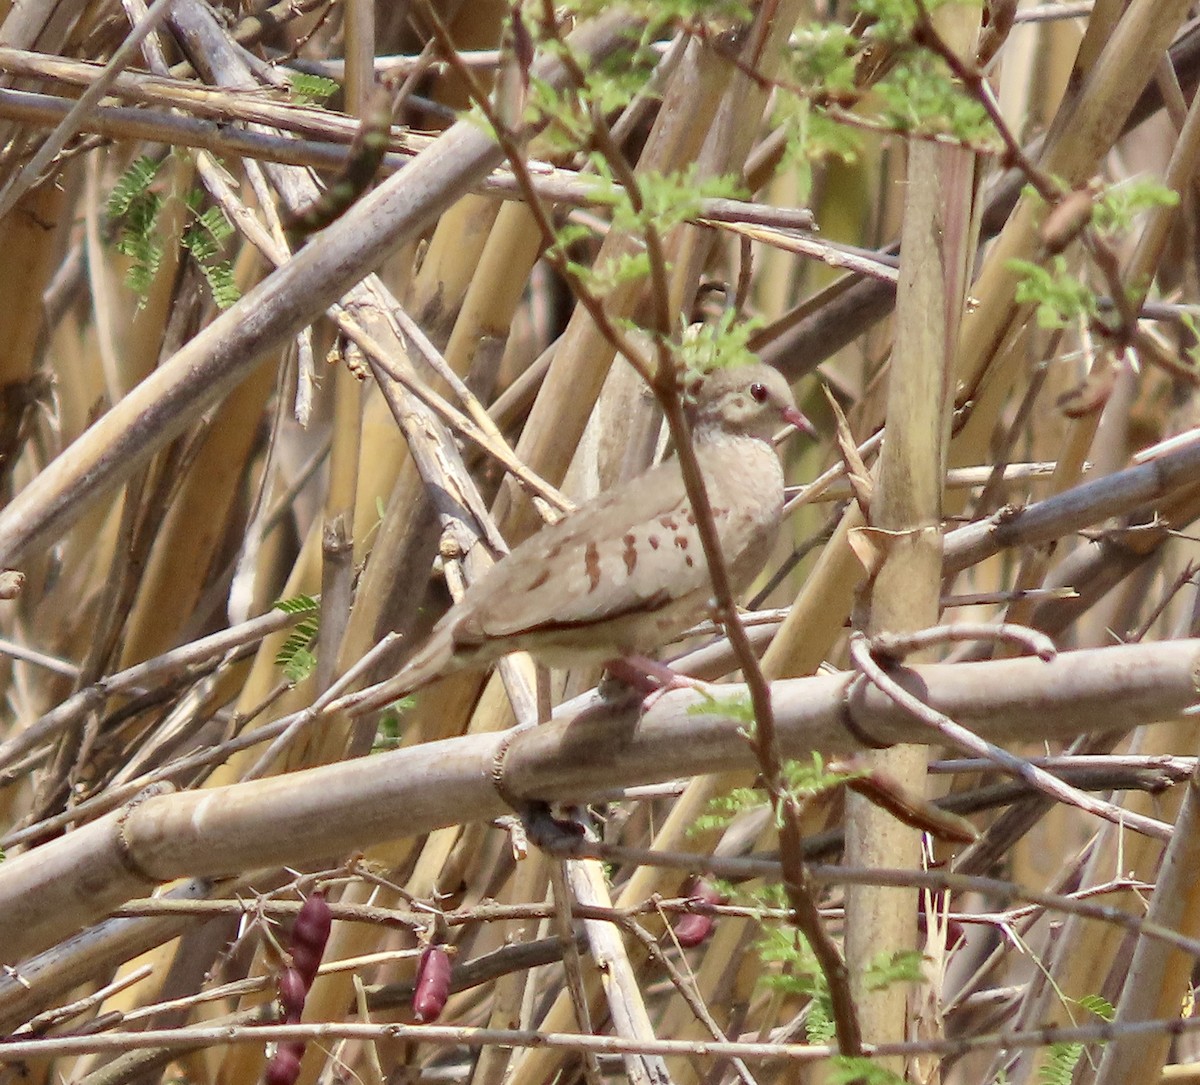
point(259, 346)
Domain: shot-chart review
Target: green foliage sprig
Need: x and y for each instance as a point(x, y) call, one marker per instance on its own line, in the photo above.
point(803, 780)
point(307, 89)
point(1062, 297)
point(895, 20)
point(135, 209)
point(919, 97)
point(205, 239)
point(796, 972)
point(296, 657)
point(1063, 1058)
point(851, 1069)
point(1118, 205)
point(721, 344)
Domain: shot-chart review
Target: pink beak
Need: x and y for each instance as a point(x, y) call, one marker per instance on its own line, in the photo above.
point(795, 418)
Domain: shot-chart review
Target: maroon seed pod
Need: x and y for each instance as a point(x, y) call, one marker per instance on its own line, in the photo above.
point(693, 928)
point(310, 932)
point(284, 1067)
point(292, 992)
point(433, 984)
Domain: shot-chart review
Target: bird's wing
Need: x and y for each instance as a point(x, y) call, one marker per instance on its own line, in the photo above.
point(634, 550)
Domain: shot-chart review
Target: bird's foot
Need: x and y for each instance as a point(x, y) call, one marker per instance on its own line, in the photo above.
point(650, 678)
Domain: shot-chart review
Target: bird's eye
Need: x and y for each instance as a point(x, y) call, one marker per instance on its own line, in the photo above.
point(759, 393)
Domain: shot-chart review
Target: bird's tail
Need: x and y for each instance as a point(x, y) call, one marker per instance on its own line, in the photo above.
point(432, 661)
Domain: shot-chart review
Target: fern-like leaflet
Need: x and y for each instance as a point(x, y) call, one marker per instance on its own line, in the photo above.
point(133, 208)
point(296, 657)
point(311, 89)
point(132, 185)
point(204, 240)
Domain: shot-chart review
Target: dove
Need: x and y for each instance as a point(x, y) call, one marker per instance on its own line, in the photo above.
point(624, 573)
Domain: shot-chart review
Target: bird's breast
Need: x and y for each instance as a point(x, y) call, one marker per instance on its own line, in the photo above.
point(745, 488)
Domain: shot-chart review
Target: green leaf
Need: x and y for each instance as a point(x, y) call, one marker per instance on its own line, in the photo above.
point(719, 345)
point(819, 1025)
point(849, 1069)
point(734, 708)
point(625, 267)
point(131, 185)
point(295, 656)
point(799, 975)
point(667, 198)
point(1063, 1058)
point(1100, 1006)
point(200, 244)
point(1061, 299)
point(146, 252)
point(213, 221)
point(801, 779)
point(388, 731)
point(300, 666)
point(205, 239)
point(722, 809)
point(221, 284)
point(810, 138)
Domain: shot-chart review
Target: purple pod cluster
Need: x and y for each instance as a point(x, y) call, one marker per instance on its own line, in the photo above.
point(310, 933)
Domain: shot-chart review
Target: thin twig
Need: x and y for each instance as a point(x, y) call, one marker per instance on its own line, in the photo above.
point(1045, 782)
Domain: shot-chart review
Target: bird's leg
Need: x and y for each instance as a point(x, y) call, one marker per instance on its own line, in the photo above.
point(651, 678)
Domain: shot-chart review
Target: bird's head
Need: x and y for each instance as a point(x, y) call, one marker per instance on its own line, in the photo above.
point(752, 400)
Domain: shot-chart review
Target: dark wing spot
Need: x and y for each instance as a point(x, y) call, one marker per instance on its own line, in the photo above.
point(669, 522)
point(681, 541)
point(630, 553)
point(691, 517)
point(591, 565)
point(689, 561)
point(653, 541)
